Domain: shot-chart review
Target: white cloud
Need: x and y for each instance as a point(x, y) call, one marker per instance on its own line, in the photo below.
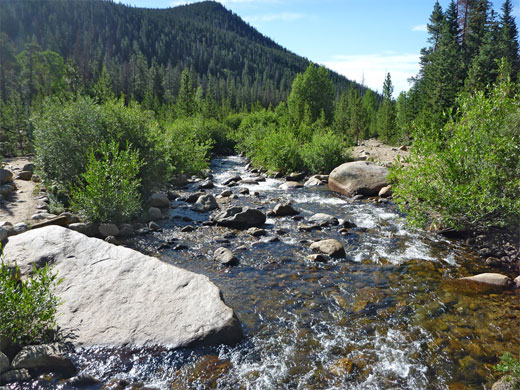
point(372, 69)
point(280, 17)
point(420, 27)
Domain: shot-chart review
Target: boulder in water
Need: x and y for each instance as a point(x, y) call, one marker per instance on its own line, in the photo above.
point(240, 218)
point(492, 279)
point(330, 247)
point(323, 219)
point(115, 296)
point(45, 358)
point(159, 200)
point(205, 203)
point(358, 177)
point(284, 210)
point(224, 256)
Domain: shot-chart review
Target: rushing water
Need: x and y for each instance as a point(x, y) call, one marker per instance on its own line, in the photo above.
point(388, 316)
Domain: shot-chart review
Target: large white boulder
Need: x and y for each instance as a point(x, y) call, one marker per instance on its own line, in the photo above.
point(115, 296)
point(359, 177)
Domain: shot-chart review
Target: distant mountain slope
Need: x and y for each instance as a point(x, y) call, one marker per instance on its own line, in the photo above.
point(145, 50)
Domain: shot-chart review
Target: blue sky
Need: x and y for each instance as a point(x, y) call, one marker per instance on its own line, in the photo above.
point(361, 39)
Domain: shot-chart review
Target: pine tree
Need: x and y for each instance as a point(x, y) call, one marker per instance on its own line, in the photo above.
point(508, 38)
point(386, 113)
point(186, 105)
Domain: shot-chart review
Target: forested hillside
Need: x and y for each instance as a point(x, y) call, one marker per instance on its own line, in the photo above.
point(146, 50)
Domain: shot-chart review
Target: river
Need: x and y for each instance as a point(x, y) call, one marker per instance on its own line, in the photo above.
point(388, 316)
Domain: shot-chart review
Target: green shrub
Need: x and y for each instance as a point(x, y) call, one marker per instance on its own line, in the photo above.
point(252, 130)
point(509, 365)
point(279, 150)
point(28, 307)
point(111, 189)
point(466, 175)
point(324, 152)
point(186, 152)
point(65, 132)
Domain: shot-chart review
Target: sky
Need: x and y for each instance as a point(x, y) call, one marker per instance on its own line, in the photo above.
point(360, 39)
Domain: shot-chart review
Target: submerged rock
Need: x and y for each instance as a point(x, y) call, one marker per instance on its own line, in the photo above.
point(115, 296)
point(331, 247)
point(358, 177)
point(493, 279)
point(240, 218)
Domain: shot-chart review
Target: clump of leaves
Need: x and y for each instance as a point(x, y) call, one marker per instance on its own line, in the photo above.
point(111, 190)
point(509, 365)
point(28, 306)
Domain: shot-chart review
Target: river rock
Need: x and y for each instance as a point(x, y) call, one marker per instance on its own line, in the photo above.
point(154, 214)
point(195, 197)
point(517, 282)
point(28, 167)
point(4, 363)
point(20, 227)
point(15, 376)
point(256, 232)
point(159, 200)
point(180, 180)
point(226, 193)
point(206, 185)
point(108, 229)
point(323, 219)
point(46, 358)
point(126, 230)
point(24, 175)
point(284, 210)
point(358, 177)
point(317, 258)
point(89, 229)
point(506, 383)
point(492, 279)
point(6, 189)
point(115, 296)
point(385, 192)
point(289, 185)
point(225, 256)
point(6, 176)
point(231, 180)
point(205, 203)
point(3, 233)
point(313, 182)
point(331, 247)
point(295, 176)
point(240, 218)
point(243, 191)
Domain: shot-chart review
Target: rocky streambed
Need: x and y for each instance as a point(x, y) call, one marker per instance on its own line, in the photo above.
point(387, 313)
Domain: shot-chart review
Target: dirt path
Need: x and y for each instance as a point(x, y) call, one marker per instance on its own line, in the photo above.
point(377, 152)
point(22, 203)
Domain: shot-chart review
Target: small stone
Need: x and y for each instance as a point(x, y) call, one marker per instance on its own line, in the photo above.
point(194, 197)
point(493, 279)
point(517, 282)
point(295, 176)
point(126, 230)
point(284, 209)
point(225, 256)
point(24, 175)
point(206, 185)
point(403, 148)
point(289, 185)
point(154, 227)
point(323, 219)
point(15, 376)
point(4, 363)
point(108, 229)
point(112, 240)
point(231, 180)
point(187, 229)
point(154, 214)
point(385, 192)
point(226, 193)
point(172, 195)
point(6, 176)
point(159, 200)
point(243, 191)
point(329, 247)
point(256, 232)
point(81, 381)
point(28, 167)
